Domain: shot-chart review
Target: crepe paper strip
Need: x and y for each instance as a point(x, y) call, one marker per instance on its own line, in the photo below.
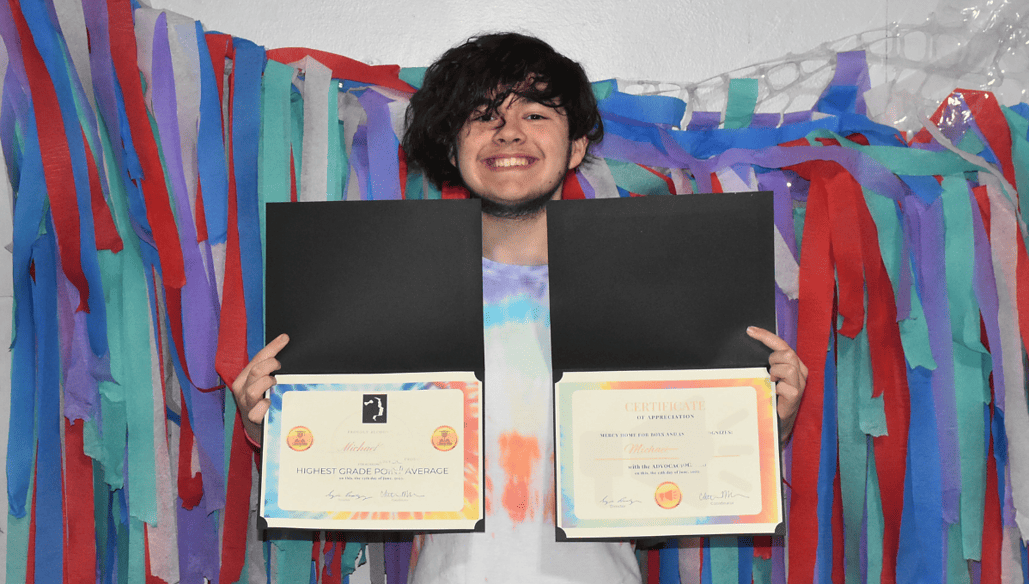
point(294, 560)
point(814, 320)
point(990, 119)
point(232, 353)
point(67, 179)
point(598, 174)
point(827, 464)
point(211, 173)
point(704, 121)
point(317, 79)
point(382, 147)
point(273, 169)
point(1007, 249)
point(740, 103)
point(653, 559)
point(926, 484)
point(854, 375)
point(237, 509)
point(992, 527)
point(246, 99)
point(161, 535)
point(650, 109)
point(190, 481)
point(48, 517)
point(107, 237)
point(191, 309)
point(634, 178)
point(344, 68)
point(159, 214)
point(79, 534)
point(669, 559)
point(875, 521)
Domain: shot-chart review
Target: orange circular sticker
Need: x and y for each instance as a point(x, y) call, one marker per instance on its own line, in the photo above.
point(299, 439)
point(444, 438)
point(668, 495)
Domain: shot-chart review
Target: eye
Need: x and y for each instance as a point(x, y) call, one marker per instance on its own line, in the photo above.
point(535, 116)
point(484, 117)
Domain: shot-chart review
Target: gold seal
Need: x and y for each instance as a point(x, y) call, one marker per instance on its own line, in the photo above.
point(299, 439)
point(668, 495)
point(444, 438)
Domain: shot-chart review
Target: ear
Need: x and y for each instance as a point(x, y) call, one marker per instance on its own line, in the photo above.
point(577, 152)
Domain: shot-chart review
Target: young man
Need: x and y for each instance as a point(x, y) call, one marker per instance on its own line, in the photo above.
point(507, 117)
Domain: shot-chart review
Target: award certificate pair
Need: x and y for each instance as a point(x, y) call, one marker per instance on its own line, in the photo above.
point(664, 412)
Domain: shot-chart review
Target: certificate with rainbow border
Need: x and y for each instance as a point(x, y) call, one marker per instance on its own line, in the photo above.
point(374, 452)
point(667, 453)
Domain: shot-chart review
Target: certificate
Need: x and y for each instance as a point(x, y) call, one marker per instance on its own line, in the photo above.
point(688, 452)
point(371, 452)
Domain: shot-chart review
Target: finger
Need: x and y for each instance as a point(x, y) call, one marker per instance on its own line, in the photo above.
point(268, 351)
point(768, 338)
point(257, 412)
point(262, 369)
point(256, 390)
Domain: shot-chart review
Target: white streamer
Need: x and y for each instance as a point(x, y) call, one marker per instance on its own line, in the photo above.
point(315, 166)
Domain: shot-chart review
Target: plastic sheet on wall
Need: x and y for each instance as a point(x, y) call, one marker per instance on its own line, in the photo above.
point(139, 167)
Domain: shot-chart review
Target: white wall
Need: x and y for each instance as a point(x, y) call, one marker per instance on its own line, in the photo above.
point(677, 41)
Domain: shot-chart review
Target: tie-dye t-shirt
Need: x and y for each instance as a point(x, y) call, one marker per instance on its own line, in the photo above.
point(519, 544)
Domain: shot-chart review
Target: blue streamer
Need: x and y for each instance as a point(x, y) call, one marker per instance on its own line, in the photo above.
point(650, 109)
point(49, 508)
point(705, 570)
point(211, 166)
point(246, 133)
point(45, 37)
point(920, 556)
point(669, 559)
point(28, 214)
point(1000, 450)
point(745, 547)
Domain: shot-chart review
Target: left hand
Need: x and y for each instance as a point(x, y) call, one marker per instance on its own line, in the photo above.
point(789, 374)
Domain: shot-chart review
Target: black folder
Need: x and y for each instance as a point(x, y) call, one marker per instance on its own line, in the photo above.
point(375, 286)
point(662, 282)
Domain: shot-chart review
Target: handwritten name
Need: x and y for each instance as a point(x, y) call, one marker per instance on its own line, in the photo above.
point(646, 449)
point(400, 495)
point(362, 447)
point(350, 496)
point(619, 503)
point(725, 494)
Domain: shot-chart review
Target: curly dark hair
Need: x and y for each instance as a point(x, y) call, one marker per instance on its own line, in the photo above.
point(483, 72)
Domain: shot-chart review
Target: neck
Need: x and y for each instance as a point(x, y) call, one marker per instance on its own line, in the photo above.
point(519, 241)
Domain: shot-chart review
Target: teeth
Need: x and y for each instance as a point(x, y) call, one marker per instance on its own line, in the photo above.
point(508, 162)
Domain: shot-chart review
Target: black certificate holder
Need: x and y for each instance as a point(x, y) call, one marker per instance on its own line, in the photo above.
point(662, 282)
point(375, 286)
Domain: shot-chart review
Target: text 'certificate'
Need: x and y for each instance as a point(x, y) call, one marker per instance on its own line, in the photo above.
point(396, 451)
point(667, 453)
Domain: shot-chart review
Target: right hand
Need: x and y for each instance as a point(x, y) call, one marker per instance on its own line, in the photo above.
point(250, 385)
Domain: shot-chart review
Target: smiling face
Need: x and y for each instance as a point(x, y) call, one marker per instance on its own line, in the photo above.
point(515, 159)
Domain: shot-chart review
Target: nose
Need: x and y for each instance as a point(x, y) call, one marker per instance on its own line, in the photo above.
point(509, 131)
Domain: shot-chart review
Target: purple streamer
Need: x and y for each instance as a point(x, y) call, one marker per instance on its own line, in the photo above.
point(852, 69)
point(382, 147)
point(199, 297)
point(933, 293)
point(359, 160)
point(198, 545)
point(704, 121)
point(587, 189)
point(398, 558)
